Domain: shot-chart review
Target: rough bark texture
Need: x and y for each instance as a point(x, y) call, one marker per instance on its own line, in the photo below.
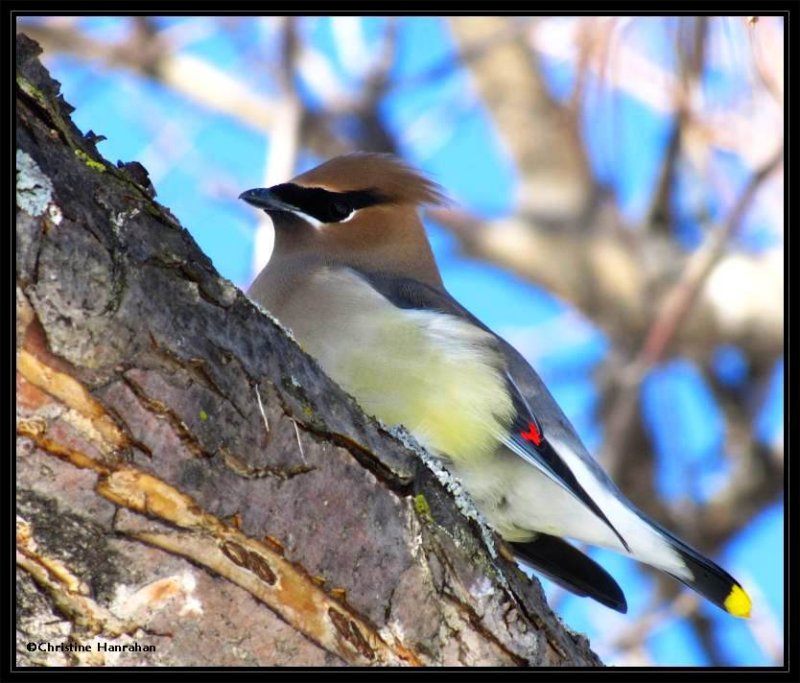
point(159, 505)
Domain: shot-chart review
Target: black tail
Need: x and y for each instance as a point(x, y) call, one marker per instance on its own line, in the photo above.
point(711, 580)
point(570, 568)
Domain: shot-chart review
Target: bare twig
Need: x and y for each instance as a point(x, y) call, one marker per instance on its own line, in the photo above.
point(654, 86)
point(194, 78)
point(530, 122)
point(764, 624)
point(466, 55)
point(284, 137)
point(691, 56)
point(767, 42)
point(675, 308)
point(680, 300)
point(655, 616)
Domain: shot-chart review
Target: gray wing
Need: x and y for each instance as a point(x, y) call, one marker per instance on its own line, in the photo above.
point(537, 413)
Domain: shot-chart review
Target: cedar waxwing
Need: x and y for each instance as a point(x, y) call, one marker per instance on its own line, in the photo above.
point(353, 276)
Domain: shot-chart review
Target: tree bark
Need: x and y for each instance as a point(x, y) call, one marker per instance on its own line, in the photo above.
point(191, 488)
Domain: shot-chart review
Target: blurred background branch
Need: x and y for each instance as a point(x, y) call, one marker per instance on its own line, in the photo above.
point(631, 168)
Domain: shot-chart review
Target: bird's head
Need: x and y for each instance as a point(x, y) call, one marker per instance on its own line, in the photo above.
point(358, 208)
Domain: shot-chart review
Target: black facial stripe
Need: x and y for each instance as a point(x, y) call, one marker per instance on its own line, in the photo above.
point(360, 199)
point(324, 205)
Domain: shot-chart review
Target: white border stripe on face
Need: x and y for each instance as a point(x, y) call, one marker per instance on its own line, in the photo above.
point(316, 223)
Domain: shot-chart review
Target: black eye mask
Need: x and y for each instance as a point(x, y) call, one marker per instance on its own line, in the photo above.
point(324, 205)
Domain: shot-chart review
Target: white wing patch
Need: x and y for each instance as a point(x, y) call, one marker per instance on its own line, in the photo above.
point(646, 543)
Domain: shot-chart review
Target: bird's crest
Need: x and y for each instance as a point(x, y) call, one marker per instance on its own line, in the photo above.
point(383, 173)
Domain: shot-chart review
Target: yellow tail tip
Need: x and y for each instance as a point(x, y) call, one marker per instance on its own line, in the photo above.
point(738, 603)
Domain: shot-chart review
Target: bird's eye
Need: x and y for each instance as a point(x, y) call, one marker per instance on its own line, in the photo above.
point(340, 209)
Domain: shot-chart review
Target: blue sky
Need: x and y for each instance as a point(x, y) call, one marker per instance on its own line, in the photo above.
point(200, 161)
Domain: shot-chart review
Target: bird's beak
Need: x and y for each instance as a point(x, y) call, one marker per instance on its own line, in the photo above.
point(262, 198)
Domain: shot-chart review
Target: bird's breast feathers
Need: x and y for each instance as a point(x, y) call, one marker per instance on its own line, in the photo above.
point(438, 375)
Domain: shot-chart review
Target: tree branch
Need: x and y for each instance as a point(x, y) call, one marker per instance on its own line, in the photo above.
point(155, 508)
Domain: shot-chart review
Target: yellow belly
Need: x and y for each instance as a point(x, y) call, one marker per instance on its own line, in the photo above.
point(436, 374)
point(437, 377)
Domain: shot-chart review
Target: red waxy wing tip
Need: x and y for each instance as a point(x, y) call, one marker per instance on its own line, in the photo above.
point(533, 434)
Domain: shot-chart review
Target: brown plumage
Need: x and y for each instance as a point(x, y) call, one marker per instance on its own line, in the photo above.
point(400, 183)
point(387, 236)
